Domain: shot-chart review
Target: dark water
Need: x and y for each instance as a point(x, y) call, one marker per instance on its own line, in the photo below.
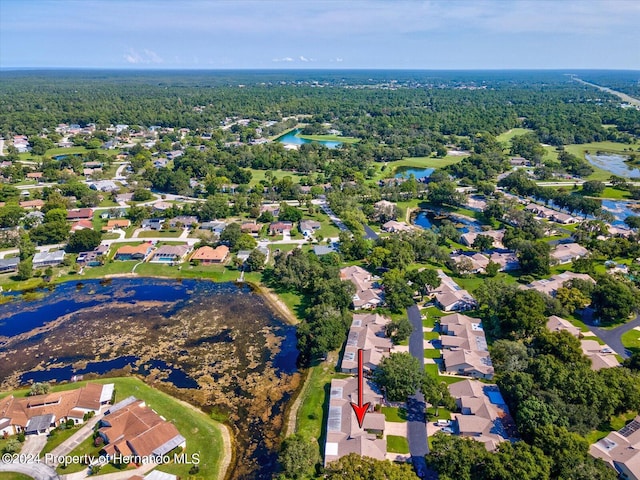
point(181, 332)
point(404, 172)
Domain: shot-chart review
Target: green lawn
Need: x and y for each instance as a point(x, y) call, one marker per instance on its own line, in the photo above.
point(56, 437)
point(431, 335)
point(616, 423)
point(432, 353)
point(507, 136)
point(202, 433)
point(397, 444)
point(443, 414)
point(394, 414)
point(419, 162)
point(610, 147)
point(258, 175)
point(13, 476)
point(631, 340)
point(329, 138)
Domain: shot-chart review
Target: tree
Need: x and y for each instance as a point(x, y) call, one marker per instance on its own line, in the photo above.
point(10, 216)
point(245, 242)
point(216, 206)
point(83, 240)
point(492, 269)
point(436, 393)
point(289, 213)
point(522, 315)
point(633, 221)
point(25, 269)
point(534, 258)
point(593, 187)
point(397, 293)
point(399, 330)
point(482, 243)
point(141, 194)
point(572, 299)
point(298, 456)
point(12, 446)
point(399, 375)
point(39, 388)
point(256, 261)
point(26, 247)
point(230, 235)
point(614, 300)
point(357, 467)
point(424, 280)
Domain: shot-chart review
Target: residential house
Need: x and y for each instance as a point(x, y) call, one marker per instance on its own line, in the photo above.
point(116, 224)
point(251, 228)
point(567, 252)
point(82, 225)
point(367, 333)
point(477, 261)
point(32, 204)
point(208, 256)
point(497, 236)
point(138, 431)
point(344, 435)
point(464, 346)
point(215, 227)
point(601, 356)
point(368, 293)
point(519, 162)
point(8, 265)
point(48, 259)
point(552, 284)
point(37, 176)
point(392, 226)
point(170, 254)
point(80, 214)
point(124, 197)
point(279, 228)
point(38, 414)
point(507, 260)
point(621, 450)
point(134, 252)
point(320, 250)
point(93, 258)
point(187, 221)
point(152, 223)
point(449, 296)
point(113, 213)
point(104, 186)
point(308, 227)
point(174, 154)
point(162, 206)
point(484, 415)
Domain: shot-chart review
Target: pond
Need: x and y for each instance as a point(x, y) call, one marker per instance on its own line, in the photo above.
point(217, 345)
point(404, 172)
point(292, 138)
point(428, 219)
point(620, 210)
point(614, 164)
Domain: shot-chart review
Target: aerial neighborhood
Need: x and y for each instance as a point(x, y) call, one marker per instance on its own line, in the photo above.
point(486, 271)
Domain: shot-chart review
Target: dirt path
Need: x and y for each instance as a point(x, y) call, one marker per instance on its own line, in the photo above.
point(292, 417)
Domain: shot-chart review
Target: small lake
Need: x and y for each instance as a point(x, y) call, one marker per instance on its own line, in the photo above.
point(427, 219)
point(405, 172)
point(216, 345)
point(619, 209)
point(292, 138)
point(614, 164)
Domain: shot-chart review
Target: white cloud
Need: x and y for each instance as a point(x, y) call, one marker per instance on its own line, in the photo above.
point(283, 59)
point(145, 57)
point(303, 59)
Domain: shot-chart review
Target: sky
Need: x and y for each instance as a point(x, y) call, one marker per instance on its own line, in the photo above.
point(320, 34)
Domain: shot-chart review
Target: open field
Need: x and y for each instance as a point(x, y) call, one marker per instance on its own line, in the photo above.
point(389, 168)
point(397, 444)
point(258, 175)
point(508, 135)
point(13, 476)
point(329, 138)
point(631, 340)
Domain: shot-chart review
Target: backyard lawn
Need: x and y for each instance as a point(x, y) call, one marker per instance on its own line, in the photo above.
point(631, 340)
point(397, 444)
point(394, 414)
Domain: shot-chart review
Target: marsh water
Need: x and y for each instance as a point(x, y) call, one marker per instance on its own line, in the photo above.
point(216, 345)
point(614, 163)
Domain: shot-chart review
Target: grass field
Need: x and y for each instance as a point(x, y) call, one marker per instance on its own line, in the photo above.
point(507, 136)
point(397, 444)
point(417, 162)
point(393, 414)
point(631, 340)
point(616, 423)
point(13, 476)
point(258, 175)
point(329, 138)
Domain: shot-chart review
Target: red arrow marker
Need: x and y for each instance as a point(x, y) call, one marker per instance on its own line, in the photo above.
point(360, 409)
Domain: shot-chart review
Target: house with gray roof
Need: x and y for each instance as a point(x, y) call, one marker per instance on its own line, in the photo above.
point(48, 259)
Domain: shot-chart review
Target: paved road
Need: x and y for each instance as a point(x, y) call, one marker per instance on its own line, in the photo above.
point(37, 471)
point(416, 418)
point(623, 96)
point(613, 337)
point(369, 234)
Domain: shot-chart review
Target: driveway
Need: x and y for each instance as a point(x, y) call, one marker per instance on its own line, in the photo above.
point(33, 445)
point(613, 337)
point(369, 234)
point(37, 471)
point(73, 441)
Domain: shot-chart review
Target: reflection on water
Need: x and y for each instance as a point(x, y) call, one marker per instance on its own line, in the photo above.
point(216, 345)
point(405, 172)
point(614, 164)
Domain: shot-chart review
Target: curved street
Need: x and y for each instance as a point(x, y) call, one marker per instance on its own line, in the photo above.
point(37, 471)
point(613, 337)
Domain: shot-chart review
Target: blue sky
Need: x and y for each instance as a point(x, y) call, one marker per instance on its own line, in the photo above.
point(414, 34)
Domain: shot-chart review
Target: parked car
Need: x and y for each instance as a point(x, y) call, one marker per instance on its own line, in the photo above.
point(447, 430)
point(443, 423)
